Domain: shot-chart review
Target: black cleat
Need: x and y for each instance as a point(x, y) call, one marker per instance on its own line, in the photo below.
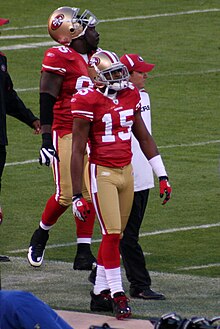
point(4, 259)
point(101, 302)
point(37, 247)
point(121, 309)
point(146, 294)
point(84, 262)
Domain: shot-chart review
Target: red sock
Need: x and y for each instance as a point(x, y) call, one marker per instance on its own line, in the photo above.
point(52, 211)
point(110, 251)
point(85, 229)
point(99, 257)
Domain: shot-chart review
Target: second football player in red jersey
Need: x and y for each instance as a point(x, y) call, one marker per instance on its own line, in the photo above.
point(64, 72)
point(106, 115)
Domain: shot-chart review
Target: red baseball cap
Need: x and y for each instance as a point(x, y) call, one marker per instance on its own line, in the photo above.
point(4, 21)
point(134, 62)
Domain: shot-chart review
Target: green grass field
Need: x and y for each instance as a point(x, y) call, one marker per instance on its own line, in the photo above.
point(181, 239)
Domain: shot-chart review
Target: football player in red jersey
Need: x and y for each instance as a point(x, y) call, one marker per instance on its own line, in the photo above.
point(106, 115)
point(64, 72)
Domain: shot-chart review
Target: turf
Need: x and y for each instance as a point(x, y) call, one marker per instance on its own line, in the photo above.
point(184, 89)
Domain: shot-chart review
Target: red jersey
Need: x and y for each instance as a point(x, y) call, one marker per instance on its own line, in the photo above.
point(111, 123)
point(71, 65)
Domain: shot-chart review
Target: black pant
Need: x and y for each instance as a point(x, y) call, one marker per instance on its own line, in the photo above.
point(2, 161)
point(131, 251)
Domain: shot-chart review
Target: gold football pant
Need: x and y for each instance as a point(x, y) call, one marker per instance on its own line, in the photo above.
point(62, 173)
point(112, 192)
point(58, 203)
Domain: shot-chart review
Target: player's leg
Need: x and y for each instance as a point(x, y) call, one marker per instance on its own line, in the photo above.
point(84, 259)
point(101, 300)
point(125, 199)
point(104, 187)
point(56, 204)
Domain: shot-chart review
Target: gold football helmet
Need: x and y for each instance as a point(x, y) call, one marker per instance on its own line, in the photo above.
point(105, 69)
point(65, 24)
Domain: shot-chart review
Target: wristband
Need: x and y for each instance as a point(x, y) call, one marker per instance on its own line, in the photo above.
point(163, 178)
point(76, 196)
point(158, 166)
point(46, 137)
point(47, 140)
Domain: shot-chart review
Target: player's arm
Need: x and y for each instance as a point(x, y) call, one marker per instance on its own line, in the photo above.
point(150, 150)
point(50, 85)
point(80, 133)
point(146, 141)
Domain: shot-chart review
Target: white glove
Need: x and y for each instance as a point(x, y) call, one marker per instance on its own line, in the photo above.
point(80, 207)
point(47, 156)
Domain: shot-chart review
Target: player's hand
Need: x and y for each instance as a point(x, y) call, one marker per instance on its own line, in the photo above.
point(47, 151)
point(165, 189)
point(36, 126)
point(47, 156)
point(80, 207)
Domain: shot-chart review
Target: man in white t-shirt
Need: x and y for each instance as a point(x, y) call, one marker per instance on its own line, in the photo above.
point(131, 251)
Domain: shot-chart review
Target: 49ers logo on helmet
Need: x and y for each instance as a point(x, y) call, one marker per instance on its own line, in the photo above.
point(57, 22)
point(94, 61)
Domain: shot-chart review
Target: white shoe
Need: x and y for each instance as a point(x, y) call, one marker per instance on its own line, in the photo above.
point(37, 247)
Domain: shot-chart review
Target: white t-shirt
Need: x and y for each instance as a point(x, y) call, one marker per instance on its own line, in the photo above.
point(143, 174)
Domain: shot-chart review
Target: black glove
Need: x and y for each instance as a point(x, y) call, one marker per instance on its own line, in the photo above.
point(47, 151)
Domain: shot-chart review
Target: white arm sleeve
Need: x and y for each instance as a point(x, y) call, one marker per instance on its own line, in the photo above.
point(158, 166)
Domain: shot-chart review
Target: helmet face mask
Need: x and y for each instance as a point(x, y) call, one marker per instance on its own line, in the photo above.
point(87, 19)
point(65, 24)
point(105, 69)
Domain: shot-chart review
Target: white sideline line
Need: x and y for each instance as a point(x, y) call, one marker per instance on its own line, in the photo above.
point(198, 267)
point(24, 36)
point(9, 164)
point(190, 12)
point(21, 163)
point(179, 229)
point(24, 260)
point(44, 44)
point(189, 145)
point(20, 90)
point(183, 73)
point(30, 45)
point(173, 230)
point(161, 15)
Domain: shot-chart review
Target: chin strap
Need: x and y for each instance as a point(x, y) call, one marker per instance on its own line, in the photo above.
point(106, 91)
point(112, 89)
